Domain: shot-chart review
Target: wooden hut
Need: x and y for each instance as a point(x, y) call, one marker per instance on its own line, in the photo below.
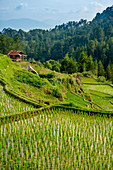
point(16, 55)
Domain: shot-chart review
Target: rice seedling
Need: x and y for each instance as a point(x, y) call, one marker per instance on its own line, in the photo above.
point(9, 104)
point(57, 139)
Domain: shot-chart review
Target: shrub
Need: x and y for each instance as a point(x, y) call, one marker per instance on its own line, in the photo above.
point(52, 65)
point(47, 90)
point(49, 75)
point(88, 74)
point(48, 65)
point(101, 79)
point(29, 78)
point(57, 93)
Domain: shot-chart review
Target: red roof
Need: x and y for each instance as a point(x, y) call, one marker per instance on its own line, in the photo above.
point(78, 75)
point(13, 52)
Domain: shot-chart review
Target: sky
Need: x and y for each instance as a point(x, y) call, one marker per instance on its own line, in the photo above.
point(56, 11)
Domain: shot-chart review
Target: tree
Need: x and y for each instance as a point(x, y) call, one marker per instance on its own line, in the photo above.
point(3, 48)
point(91, 48)
point(48, 65)
point(110, 52)
point(90, 64)
point(108, 30)
point(56, 67)
point(96, 68)
point(72, 68)
point(17, 44)
point(98, 33)
point(57, 51)
point(6, 44)
point(53, 65)
point(108, 72)
point(112, 73)
point(83, 60)
point(100, 69)
point(65, 63)
point(68, 65)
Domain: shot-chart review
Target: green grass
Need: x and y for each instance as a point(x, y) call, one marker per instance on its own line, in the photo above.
point(28, 84)
point(101, 95)
point(104, 102)
point(100, 88)
point(52, 86)
point(88, 80)
point(76, 100)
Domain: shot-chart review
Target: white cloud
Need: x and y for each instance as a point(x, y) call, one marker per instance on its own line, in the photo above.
point(85, 9)
point(21, 5)
point(98, 6)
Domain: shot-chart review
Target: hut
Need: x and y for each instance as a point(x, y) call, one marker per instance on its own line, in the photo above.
point(16, 55)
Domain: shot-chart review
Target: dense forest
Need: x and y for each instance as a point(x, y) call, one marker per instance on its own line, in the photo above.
point(71, 47)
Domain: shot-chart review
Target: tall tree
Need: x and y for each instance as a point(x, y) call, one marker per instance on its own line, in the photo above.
point(98, 33)
point(65, 63)
point(3, 48)
point(100, 69)
point(108, 72)
point(83, 59)
point(91, 48)
point(96, 68)
point(18, 44)
point(90, 63)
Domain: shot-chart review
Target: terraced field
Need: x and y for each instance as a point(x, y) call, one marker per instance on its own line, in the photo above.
point(9, 104)
point(61, 138)
point(57, 139)
point(101, 94)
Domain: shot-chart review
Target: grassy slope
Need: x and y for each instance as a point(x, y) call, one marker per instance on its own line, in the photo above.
point(42, 94)
point(101, 94)
point(88, 80)
point(7, 70)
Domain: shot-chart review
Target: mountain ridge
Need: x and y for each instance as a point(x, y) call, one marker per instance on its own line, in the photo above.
point(23, 23)
point(28, 24)
point(92, 37)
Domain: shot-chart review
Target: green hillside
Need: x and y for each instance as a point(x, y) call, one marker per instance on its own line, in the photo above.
point(60, 118)
point(50, 119)
point(49, 88)
point(94, 37)
point(25, 83)
point(68, 48)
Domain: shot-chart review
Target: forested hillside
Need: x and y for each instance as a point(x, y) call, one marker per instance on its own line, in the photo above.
point(93, 39)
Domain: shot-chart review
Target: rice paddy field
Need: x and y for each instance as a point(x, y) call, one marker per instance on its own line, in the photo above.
point(9, 105)
point(57, 139)
point(101, 95)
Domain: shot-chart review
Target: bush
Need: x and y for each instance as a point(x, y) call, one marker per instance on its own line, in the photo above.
point(52, 65)
point(49, 75)
point(88, 74)
point(101, 79)
point(33, 61)
point(47, 90)
point(29, 78)
point(48, 65)
point(57, 93)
